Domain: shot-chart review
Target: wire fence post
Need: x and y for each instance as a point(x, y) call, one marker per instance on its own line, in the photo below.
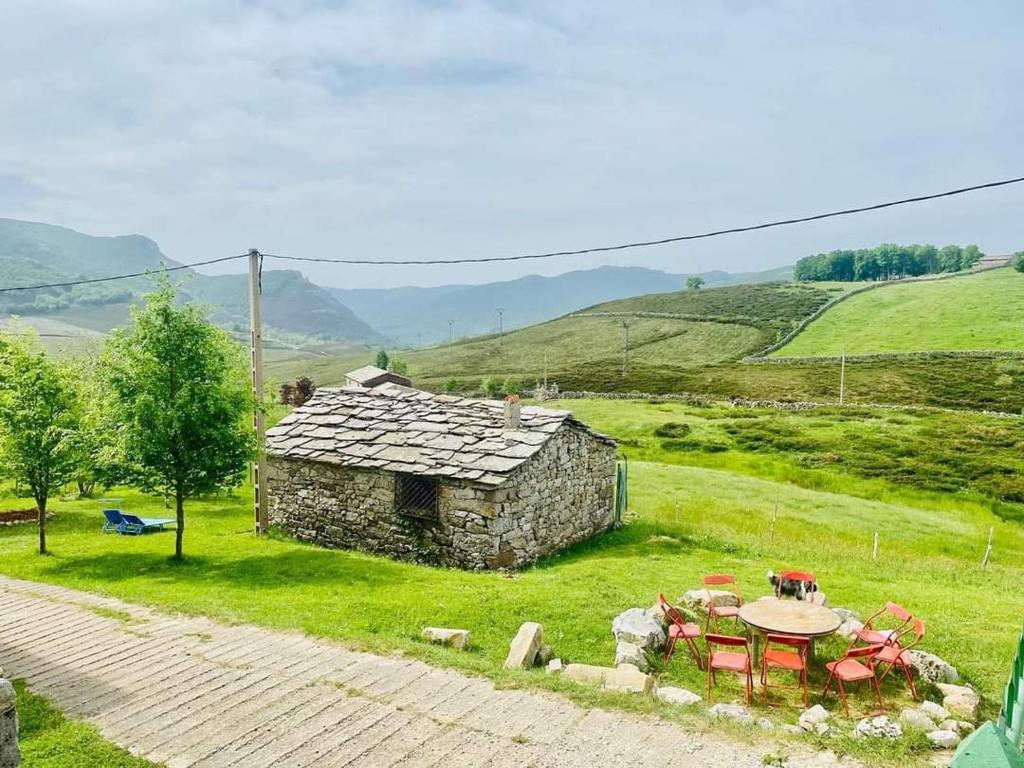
point(874, 547)
point(771, 529)
point(988, 549)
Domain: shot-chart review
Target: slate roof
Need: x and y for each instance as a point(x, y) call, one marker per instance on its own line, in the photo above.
point(398, 429)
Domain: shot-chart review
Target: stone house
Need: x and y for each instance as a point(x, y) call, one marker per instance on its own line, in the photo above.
point(370, 376)
point(437, 478)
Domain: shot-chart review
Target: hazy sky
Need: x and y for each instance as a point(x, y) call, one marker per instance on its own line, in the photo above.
point(447, 129)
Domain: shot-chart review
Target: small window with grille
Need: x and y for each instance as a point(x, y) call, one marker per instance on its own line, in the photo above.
point(416, 496)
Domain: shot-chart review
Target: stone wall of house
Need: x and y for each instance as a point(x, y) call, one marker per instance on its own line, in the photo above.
point(559, 497)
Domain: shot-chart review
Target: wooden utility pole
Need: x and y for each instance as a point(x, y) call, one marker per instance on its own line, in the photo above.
point(450, 323)
point(501, 317)
point(842, 378)
point(625, 346)
point(259, 466)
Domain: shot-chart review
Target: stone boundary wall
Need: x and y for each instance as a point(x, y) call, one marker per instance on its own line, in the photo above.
point(722, 319)
point(802, 325)
point(981, 354)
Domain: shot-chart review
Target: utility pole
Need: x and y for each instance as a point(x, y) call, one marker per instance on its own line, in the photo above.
point(545, 372)
point(450, 324)
point(842, 378)
point(259, 466)
point(625, 346)
point(501, 317)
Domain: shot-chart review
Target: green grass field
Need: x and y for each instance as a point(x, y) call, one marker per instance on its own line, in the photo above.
point(49, 740)
point(984, 311)
point(692, 511)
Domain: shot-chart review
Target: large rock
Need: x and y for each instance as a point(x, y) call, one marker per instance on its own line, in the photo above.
point(585, 673)
point(812, 716)
point(554, 666)
point(944, 739)
point(733, 712)
point(845, 614)
point(628, 679)
point(630, 653)
point(916, 720)
point(936, 712)
point(678, 696)
point(10, 754)
point(524, 646)
point(881, 727)
point(636, 627)
point(849, 628)
point(699, 598)
point(961, 701)
point(931, 668)
point(453, 638)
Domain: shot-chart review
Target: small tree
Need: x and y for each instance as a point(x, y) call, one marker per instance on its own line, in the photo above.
point(399, 366)
point(40, 411)
point(451, 384)
point(694, 283)
point(511, 386)
point(491, 387)
point(179, 390)
point(286, 394)
point(382, 360)
point(1018, 261)
point(303, 390)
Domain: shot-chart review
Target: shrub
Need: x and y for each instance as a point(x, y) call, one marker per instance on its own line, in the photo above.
point(673, 429)
point(1018, 261)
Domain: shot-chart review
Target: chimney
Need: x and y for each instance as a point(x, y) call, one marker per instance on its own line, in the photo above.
point(512, 413)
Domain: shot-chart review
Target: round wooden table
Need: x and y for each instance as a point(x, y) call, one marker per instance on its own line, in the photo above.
point(770, 615)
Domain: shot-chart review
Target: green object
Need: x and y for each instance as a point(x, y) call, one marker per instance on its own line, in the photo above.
point(987, 748)
point(621, 490)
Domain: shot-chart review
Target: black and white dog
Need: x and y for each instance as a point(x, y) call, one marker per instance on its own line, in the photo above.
point(801, 590)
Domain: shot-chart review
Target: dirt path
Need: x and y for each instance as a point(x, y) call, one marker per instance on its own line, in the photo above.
point(191, 692)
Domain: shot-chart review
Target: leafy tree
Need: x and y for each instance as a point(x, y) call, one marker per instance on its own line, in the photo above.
point(491, 387)
point(178, 387)
point(885, 262)
point(511, 386)
point(40, 412)
point(949, 258)
point(382, 360)
point(286, 394)
point(399, 366)
point(303, 390)
point(451, 384)
point(694, 283)
point(969, 256)
point(1018, 261)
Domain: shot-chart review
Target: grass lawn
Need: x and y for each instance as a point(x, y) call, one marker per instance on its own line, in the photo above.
point(49, 740)
point(692, 512)
point(974, 312)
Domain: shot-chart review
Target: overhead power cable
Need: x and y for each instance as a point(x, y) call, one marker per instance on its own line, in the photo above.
point(71, 283)
point(662, 241)
point(551, 254)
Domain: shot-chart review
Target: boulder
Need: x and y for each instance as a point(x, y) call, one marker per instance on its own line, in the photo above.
point(545, 654)
point(627, 678)
point(765, 724)
point(944, 739)
point(846, 614)
point(936, 712)
point(733, 712)
point(636, 627)
point(881, 727)
point(554, 666)
point(658, 615)
point(961, 701)
point(453, 638)
point(10, 754)
point(524, 646)
point(679, 696)
point(698, 598)
point(916, 720)
point(630, 653)
point(931, 668)
point(849, 628)
point(811, 719)
point(586, 673)
point(794, 730)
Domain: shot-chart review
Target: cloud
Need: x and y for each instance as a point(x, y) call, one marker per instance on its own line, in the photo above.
point(443, 129)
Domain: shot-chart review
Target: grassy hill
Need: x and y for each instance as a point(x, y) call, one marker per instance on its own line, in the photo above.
point(712, 325)
point(982, 311)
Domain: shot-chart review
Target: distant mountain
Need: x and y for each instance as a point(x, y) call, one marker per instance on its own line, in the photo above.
point(420, 315)
point(33, 253)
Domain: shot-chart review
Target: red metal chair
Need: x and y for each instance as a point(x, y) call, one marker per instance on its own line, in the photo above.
point(680, 629)
point(850, 669)
point(722, 611)
point(870, 634)
point(730, 661)
point(786, 659)
point(894, 655)
point(801, 576)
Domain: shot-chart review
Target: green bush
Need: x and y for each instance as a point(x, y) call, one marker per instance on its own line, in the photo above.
point(672, 429)
point(1018, 261)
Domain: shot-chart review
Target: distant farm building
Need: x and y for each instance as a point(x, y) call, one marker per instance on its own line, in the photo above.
point(370, 376)
point(435, 478)
point(991, 262)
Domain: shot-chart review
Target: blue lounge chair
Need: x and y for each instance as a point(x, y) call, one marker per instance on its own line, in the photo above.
point(114, 520)
point(134, 525)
